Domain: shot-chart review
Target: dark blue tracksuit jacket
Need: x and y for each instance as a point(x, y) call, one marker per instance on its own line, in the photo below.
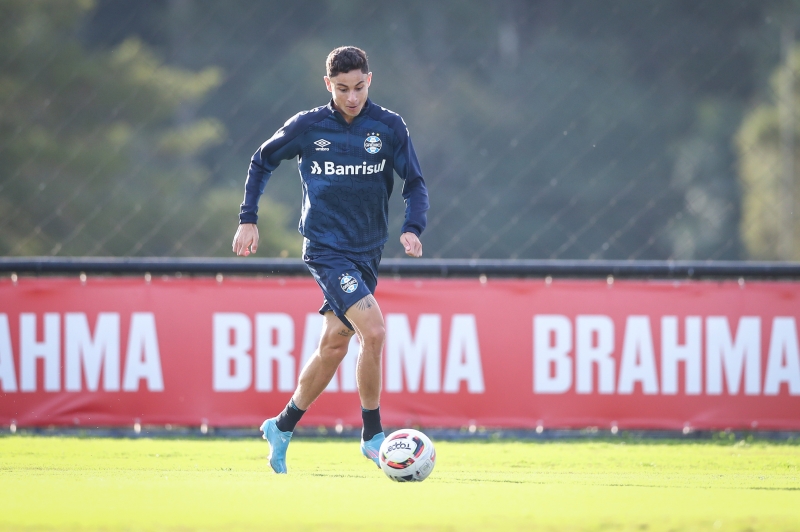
point(347, 177)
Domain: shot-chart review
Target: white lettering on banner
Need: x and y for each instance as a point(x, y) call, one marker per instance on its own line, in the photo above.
point(733, 357)
point(274, 344)
point(274, 348)
point(588, 352)
point(638, 362)
point(407, 354)
point(81, 350)
point(86, 355)
point(672, 353)
point(552, 342)
point(737, 357)
point(142, 360)
point(243, 357)
point(232, 366)
point(783, 361)
point(415, 356)
point(48, 350)
point(8, 375)
point(463, 356)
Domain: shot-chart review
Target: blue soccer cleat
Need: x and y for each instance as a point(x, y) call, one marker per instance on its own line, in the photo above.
point(278, 443)
point(371, 449)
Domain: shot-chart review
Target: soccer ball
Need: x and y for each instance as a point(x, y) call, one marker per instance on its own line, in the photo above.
point(407, 455)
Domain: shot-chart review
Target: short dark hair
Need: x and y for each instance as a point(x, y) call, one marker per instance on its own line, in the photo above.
point(344, 59)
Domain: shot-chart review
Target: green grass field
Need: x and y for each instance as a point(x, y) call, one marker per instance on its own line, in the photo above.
point(66, 483)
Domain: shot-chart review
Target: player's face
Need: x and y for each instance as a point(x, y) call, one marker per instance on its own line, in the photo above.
point(349, 91)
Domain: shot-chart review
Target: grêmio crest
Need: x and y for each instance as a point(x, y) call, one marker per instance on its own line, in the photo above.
point(373, 143)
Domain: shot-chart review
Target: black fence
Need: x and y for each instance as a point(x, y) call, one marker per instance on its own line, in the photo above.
point(410, 267)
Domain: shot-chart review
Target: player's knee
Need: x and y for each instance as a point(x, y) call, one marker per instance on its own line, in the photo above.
point(334, 346)
point(332, 352)
point(373, 334)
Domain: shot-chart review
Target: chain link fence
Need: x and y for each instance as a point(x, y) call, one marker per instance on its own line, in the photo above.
point(546, 130)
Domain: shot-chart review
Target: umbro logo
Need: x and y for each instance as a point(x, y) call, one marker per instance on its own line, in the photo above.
point(322, 145)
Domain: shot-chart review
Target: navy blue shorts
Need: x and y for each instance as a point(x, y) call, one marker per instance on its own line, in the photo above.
point(343, 281)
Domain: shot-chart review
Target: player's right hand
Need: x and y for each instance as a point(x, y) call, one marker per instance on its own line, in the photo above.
point(411, 244)
point(245, 241)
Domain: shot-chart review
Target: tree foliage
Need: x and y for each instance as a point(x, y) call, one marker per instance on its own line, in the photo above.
point(93, 160)
point(770, 225)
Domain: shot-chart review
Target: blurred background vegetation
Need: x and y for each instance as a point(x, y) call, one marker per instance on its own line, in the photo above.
point(572, 129)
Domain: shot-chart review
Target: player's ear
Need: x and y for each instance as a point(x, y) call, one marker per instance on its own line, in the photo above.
point(328, 83)
point(369, 79)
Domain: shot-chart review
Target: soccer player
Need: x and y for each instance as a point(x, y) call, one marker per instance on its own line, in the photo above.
point(346, 152)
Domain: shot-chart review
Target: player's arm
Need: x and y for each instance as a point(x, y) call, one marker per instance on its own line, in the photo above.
point(415, 193)
point(265, 160)
point(245, 241)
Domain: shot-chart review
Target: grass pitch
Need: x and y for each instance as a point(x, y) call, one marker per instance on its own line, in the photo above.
point(65, 483)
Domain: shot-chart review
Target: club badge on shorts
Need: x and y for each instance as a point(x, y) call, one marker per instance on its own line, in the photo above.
point(373, 144)
point(348, 283)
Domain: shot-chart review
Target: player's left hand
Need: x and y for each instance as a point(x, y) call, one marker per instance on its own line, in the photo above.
point(412, 244)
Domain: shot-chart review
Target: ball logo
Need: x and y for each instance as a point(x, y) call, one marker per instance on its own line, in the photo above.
point(373, 144)
point(398, 445)
point(348, 283)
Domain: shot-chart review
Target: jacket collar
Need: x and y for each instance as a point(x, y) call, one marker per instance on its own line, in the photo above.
point(336, 114)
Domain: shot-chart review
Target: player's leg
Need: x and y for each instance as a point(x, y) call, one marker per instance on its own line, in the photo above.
point(316, 375)
point(322, 365)
point(367, 319)
point(349, 287)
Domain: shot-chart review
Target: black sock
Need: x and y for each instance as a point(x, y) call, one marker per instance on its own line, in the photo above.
point(287, 420)
point(372, 423)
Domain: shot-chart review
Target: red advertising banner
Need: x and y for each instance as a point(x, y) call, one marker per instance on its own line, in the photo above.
point(495, 353)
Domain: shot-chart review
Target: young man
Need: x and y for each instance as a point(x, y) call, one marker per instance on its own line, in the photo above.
point(347, 152)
